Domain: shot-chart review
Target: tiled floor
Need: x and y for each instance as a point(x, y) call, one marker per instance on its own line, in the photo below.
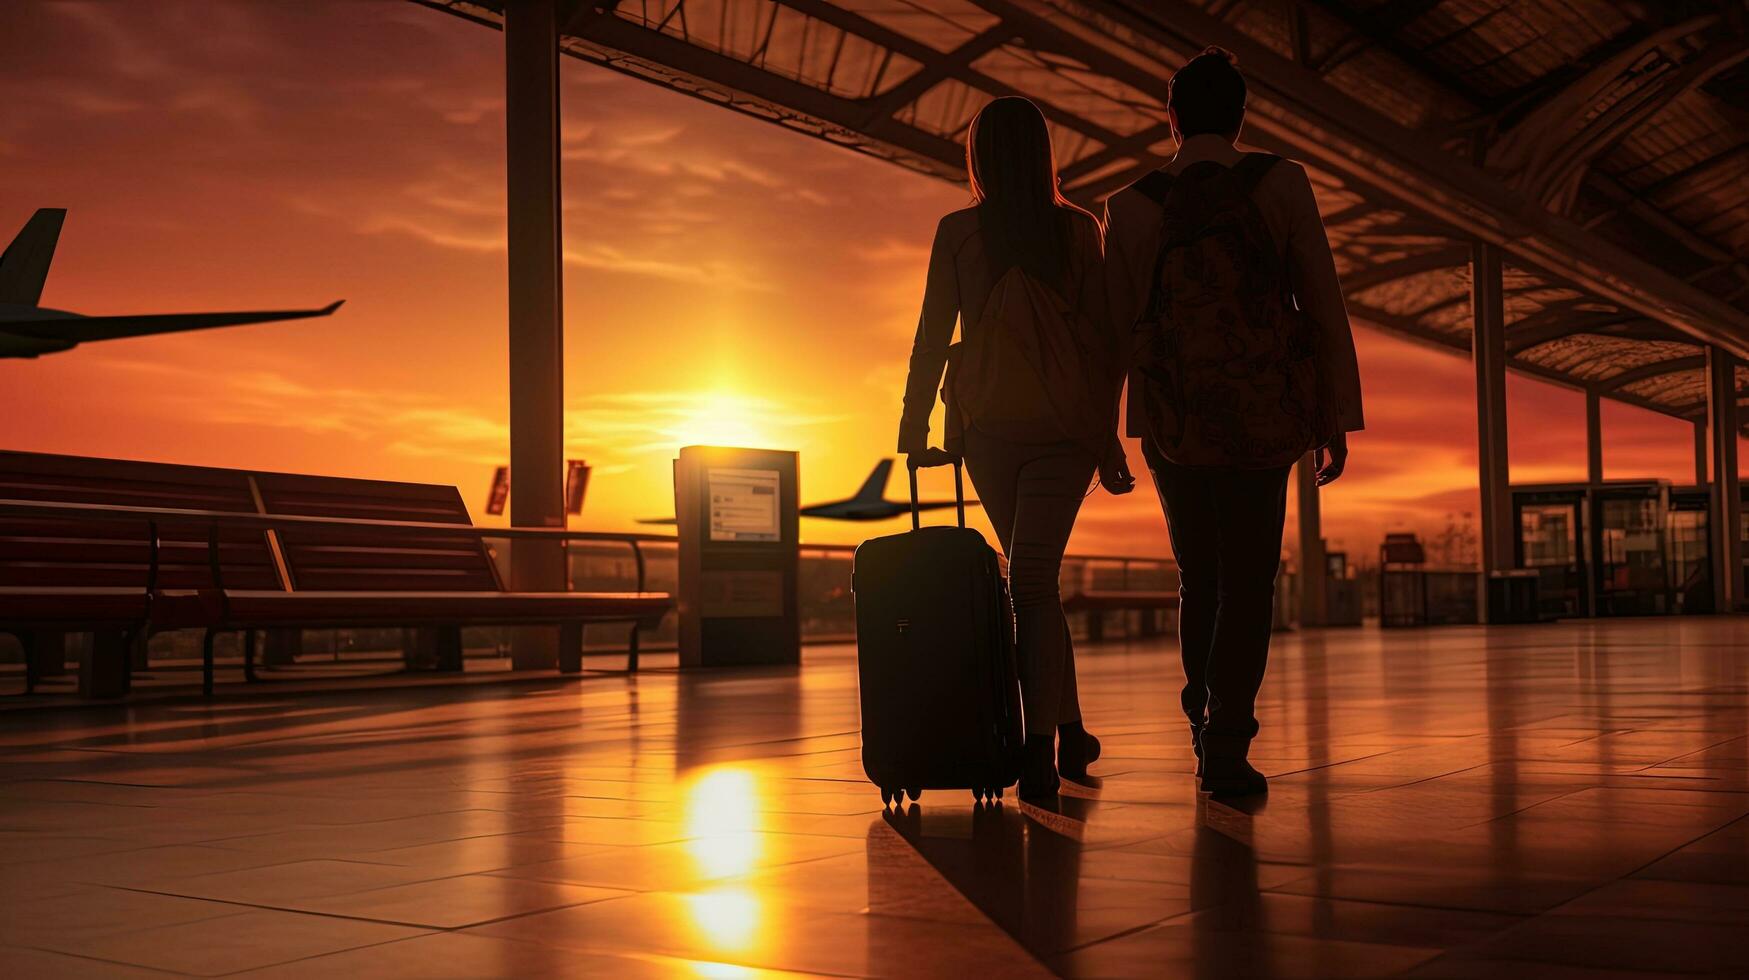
point(1557, 801)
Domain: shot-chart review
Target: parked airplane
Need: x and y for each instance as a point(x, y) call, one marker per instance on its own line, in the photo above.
point(869, 504)
point(27, 330)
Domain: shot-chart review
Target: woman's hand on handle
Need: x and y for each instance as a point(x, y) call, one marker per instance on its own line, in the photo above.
point(924, 458)
point(1329, 459)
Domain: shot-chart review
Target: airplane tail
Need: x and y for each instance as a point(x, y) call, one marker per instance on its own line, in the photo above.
point(25, 264)
point(874, 489)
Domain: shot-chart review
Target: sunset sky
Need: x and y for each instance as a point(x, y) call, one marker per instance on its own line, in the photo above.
point(726, 281)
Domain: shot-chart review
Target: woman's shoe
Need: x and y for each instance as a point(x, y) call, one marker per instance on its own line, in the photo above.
point(1196, 746)
point(1076, 750)
point(1225, 771)
point(1038, 770)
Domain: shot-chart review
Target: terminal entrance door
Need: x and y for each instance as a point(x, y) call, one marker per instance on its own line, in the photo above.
point(1551, 540)
point(1633, 578)
point(1691, 567)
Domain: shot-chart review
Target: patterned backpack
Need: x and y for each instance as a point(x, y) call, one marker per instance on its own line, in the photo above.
point(1226, 363)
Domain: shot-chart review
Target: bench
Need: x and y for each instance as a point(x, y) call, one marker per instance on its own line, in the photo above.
point(75, 573)
point(137, 547)
point(1096, 602)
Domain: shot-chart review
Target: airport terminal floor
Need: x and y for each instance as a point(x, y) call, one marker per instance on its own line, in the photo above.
point(1563, 801)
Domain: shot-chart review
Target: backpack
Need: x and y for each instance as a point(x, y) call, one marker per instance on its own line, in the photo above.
point(1226, 363)
point(1033, 369)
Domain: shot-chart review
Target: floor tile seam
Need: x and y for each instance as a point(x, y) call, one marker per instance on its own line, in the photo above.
point(1419, 906)
point(101, 959)
point(345, 917)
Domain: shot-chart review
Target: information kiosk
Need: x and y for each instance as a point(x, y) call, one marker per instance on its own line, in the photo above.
point(735, 512)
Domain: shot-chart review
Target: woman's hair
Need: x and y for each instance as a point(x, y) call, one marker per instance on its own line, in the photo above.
point(1024, 219)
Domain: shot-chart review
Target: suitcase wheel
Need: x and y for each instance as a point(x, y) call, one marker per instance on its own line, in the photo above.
point(914, 793)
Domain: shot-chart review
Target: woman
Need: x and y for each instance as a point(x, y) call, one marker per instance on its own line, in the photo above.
point(1032, 397)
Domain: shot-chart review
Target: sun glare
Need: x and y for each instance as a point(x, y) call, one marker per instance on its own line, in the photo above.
point(725, 418)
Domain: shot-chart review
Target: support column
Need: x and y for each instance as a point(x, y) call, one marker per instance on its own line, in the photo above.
point(1312, 572)
point(1725, 521)
point(1488, 349)
point(537, 396)
point(1593, 438)
point(1700, 452)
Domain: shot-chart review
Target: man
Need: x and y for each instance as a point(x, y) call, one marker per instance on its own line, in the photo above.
point(1245, 362)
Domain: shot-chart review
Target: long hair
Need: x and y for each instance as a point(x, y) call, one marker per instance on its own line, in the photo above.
point(1024, 218)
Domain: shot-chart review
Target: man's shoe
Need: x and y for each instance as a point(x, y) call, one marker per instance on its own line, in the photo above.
point(1038, 770)
point(1076, 750)
point(1225, 772)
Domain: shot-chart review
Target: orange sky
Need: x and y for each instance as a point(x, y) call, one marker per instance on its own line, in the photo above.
point(726, 280)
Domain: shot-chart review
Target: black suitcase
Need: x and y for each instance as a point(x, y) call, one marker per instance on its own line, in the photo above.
point(935, 660)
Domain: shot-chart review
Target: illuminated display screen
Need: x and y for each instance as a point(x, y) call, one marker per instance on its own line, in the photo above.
point(743, 504)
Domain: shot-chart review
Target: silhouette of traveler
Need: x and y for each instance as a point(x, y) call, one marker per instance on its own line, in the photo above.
point(1032, 396)
point(1244, 362)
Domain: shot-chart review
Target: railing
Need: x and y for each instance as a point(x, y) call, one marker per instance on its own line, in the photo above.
point(607, 560)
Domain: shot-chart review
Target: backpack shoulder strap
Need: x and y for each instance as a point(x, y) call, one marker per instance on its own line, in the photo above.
point(1250, 169)
point(1155, 186)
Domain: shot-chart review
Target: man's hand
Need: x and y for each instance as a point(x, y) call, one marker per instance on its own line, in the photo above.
point(930, 457)
point(1114, 475)
point(1329, 460)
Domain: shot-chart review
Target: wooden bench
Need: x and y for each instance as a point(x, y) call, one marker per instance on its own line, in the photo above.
point(1100, 601)
point(78, 573)
point(136, 547)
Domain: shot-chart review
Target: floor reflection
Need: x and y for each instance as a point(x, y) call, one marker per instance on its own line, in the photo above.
point(1564, 800)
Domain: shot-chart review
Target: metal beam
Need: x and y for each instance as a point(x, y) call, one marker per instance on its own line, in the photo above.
point(636, 51)
point(536, 285)
point(1454, 256)
point(1725, 522)
point(1488, 348)
point(1556, 322)
point(1593, 438)
point(1700, 452)
point(1551, 147)
point(1693, 362)
point(937, 70)
point(1373, 154)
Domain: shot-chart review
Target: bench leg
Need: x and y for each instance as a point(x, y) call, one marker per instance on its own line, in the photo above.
point(1095, 625)
point(571, 648)
point(249, 638)
point(103, 673)
point(432, 648)
point(632, 651)
point(280, 648)
point(45, 655)
point(206, 661)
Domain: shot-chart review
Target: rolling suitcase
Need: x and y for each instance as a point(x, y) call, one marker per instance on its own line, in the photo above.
point(935, 660)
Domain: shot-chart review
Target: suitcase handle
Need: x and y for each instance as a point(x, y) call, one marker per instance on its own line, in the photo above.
point(959, 495)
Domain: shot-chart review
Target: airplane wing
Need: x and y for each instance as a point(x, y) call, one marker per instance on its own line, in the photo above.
point(80, 329)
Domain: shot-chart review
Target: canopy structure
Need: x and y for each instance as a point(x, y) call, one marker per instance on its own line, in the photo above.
point(1605, 148)
point(1560, 187)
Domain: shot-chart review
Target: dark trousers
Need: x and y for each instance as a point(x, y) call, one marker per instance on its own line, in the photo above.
point(1032, 492)
point(1226, 535)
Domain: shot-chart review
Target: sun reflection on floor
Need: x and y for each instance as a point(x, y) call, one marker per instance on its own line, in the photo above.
point(722, 824)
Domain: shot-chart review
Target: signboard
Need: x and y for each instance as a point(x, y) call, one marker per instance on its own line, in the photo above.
point(576, 485)
point(743, 504)
point(500, 490)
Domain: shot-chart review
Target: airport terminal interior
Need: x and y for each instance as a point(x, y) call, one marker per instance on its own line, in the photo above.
point(263, 720)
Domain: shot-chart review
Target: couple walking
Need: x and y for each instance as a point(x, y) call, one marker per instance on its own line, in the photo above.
point(1210, 287)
